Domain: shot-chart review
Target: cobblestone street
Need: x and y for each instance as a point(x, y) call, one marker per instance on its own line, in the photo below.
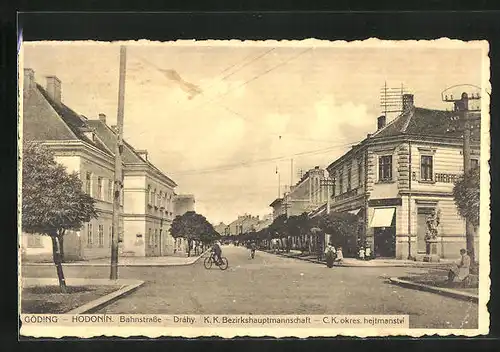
point(275, 285)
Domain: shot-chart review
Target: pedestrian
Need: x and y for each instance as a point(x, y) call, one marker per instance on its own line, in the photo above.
point(361, 253)
point(339, 255)
point(368, 253)
point(330, 255)
point(461, 270)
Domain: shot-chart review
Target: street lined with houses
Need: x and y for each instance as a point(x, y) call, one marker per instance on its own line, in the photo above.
point(271, 284)
point(304, 198)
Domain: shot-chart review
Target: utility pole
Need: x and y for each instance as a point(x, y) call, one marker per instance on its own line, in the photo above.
point(118, 184)
point(328, 183)
point(409, 200)
point(461, 106)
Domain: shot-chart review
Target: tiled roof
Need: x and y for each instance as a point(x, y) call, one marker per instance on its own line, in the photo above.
point(425, 122)
point(130, 155)
point(73, 121)
point(41, 122)
point(108, 136)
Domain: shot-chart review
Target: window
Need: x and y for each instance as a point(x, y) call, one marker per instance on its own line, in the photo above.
point(110, 235)
point(90, 239)
point(110, 190)
point(99, 188)
point(34, 241)
point(385, 168)
point(100, 236)
point(474, 163)
point(149, 194)
point(349, 177)
point(88, 183)
point(360, 173)
point(426, 168)
point(150, 237)
point(154, 198)
point(156, 237)
point(341, 182)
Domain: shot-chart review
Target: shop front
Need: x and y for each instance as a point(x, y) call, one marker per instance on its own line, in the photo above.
point(383, 225)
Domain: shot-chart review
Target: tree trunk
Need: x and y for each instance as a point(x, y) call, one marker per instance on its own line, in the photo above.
point(189, 247)
point(61, 244)
point(56, 255)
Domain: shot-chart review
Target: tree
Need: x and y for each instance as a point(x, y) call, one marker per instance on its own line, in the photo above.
point(466, 195)
point(343, 228)
point(298, 226)
point(278, 228)
point(53, 201)
point(192, 226)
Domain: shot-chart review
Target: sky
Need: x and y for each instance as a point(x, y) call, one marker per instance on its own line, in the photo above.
point(221, 118)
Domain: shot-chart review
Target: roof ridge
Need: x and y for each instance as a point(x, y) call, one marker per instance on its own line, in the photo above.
point(400, 116)
point(407, 123)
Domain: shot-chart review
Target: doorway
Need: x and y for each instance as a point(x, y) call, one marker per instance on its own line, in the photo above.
point(385, 241)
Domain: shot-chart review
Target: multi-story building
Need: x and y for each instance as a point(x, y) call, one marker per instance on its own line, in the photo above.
point(243, 224)
point(305, 196)
point(222, 229)
point(148, 198)
point(399, 175)
point(87, 147)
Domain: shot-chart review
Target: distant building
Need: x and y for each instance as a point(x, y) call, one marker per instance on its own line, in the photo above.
point(305, 196)
point(222, 229)
point(183, 203)
point(244, 223)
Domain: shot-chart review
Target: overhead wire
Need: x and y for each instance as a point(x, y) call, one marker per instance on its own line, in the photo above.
point(229, 167)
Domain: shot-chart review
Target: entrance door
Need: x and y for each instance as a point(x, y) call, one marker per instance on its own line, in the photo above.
point(422, 215)
point(385, 241)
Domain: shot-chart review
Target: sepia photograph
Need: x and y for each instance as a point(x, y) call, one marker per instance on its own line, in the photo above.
point(254, 188)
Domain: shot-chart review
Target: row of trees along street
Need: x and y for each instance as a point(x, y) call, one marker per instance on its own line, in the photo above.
point(53, 202)
point(345, 230)
point(193, 227)
point(307, 234)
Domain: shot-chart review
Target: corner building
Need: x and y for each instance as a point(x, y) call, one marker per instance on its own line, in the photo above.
point(396, 177)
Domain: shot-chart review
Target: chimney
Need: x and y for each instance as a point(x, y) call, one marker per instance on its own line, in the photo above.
point(102, 118)
point(381, 122)
point(54, 88)
point(143, 153)
point(29, 79)
point(407, 102)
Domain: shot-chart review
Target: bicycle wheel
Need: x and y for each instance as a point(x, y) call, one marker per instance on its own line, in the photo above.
point(224, 263)
point(208, 262)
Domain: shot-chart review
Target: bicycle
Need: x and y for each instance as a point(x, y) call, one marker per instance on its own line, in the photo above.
point(209, 261)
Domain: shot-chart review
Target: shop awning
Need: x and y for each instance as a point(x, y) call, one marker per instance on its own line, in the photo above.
point(382, 217)
point(355, 211)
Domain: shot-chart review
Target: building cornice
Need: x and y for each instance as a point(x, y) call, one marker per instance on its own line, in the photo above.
point(81, 147)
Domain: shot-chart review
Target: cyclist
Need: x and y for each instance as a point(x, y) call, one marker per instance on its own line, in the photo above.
point(253, 247)
point(217, 252)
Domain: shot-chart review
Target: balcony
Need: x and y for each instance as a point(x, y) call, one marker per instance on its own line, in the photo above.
point(353, 192)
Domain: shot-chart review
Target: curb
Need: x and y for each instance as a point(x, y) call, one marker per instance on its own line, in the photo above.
point(105, 300)
point(128, 286)
point(149, 265)
point(380, 265)
point(442, 291)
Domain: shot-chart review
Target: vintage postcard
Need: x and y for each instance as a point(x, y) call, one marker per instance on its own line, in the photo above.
point(254, 188)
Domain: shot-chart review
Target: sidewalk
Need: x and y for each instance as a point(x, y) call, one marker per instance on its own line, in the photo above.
point(353, 262)
point(130, 261)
